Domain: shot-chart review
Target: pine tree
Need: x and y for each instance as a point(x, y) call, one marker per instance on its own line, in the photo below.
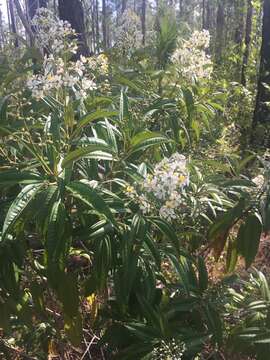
point(262, 112)
point(72, 11)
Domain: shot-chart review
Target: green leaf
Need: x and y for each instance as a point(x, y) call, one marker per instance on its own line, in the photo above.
point(99, 148)
point(143, 136)
point(3, 109)
point(155, 141)
point(91, 197)
point(111, 136)
point(264, 287)
point(166, 229)
point(12, 177)
point(87, 119)
point(19, 206)
point(58, 237)
point(131, 84)
point(219, 231)
point(68, 294)
point(203, 274)
point(73, 329)
point(69, 115)
point(248, 238)
point(232, 256)
point(214, 323)
point(124, 113)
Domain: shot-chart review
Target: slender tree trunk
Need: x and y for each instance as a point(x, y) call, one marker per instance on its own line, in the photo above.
point(2, 40)
point(97, 24)
point(262, 111)
point(123, 6)
point(247, 42)
point(203, 13)
point(239, 18)
point(181, 8)
point(8, 15)
point(13, 22)
point(72, 11)
point(219, 31)
point(33, 5)
point(143, 21)
point(24, 20)
point(104, 25)
point(207, 25)
point(93, 27)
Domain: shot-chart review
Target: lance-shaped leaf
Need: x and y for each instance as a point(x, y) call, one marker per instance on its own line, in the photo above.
point(146, 139)
point(3, 109)
point(219, 231)
point(19, 207)
point(12, 177)
point(58, 236)
point(98, 148)
point(248, 238)
point(87, 119)
point(91, 197)
point(166, 229)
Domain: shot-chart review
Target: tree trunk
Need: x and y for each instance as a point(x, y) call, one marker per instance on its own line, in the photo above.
point(104, 24)
point(262, 112)
point(24, 20)
point(72, 11)
point(181, 7)
point(203, 14)
point(123, 6)
point(219, 32)
point(207, 16)
point(13, 23)
point(93, 28)
point(247, 42)
point(143, 21)
point(239, 18)
point(97, 24)
point(2, 39)
point(33, 5)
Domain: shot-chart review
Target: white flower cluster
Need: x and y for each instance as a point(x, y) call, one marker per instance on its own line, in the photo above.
point(128, 33)
point(143, 202)
point(57, 75)
point(53, 34)
point(167, 184)
point(191, 59)
point(99, 64)
point(173, 350)
point(164, 190)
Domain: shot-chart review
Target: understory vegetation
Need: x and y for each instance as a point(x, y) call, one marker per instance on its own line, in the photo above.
point(134, 181)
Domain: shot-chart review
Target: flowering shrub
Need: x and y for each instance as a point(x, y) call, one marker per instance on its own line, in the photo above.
point(58, 74)
point(128, 34)
point(164, 189)
point(191, 59)
point(52, 34)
